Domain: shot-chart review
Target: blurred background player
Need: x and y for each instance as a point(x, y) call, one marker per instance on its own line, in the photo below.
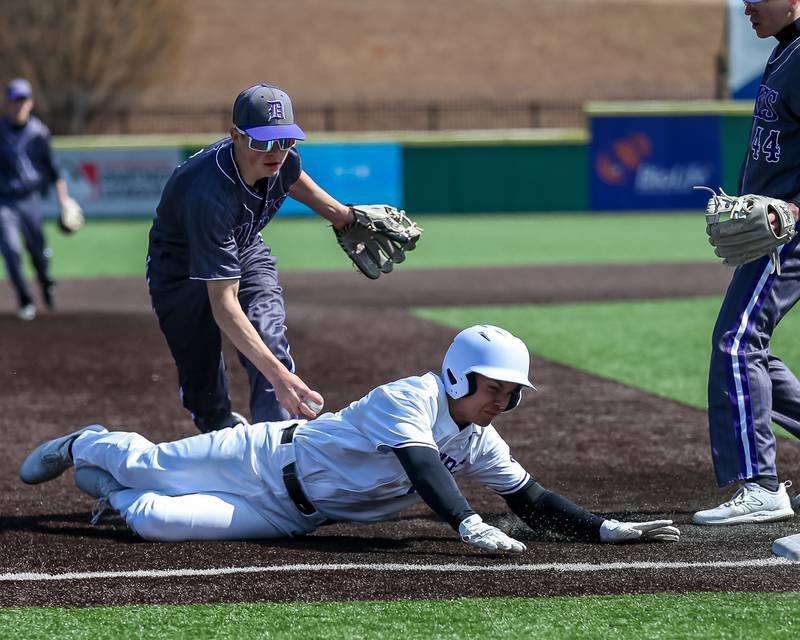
point(210, 270)
point(404, 441)
point(27, 169)
point(749, 387)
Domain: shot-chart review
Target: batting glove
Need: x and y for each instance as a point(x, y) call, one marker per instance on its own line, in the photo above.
point(476, 532)
point(614, 531)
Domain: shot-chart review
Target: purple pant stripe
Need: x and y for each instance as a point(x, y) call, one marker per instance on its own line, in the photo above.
point(733, 395)
point(745, 383)
point(743, 376)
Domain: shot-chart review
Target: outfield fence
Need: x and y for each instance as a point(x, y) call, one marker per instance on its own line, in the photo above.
point(356, 116)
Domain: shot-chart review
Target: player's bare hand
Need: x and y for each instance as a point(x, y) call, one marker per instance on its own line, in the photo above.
point(774, 223)
point(295, 396)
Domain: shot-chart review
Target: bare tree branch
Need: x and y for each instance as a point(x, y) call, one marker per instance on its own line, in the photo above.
point(86, 57)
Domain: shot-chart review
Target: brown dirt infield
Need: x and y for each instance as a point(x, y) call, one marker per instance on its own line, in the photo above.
point(610, 447)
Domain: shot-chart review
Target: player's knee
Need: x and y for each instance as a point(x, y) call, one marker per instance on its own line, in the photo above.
point(149, 517)
point(722, 344)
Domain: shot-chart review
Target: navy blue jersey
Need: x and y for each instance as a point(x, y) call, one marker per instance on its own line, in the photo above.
point(208, 216)
point(772, 164)
point(26, 162)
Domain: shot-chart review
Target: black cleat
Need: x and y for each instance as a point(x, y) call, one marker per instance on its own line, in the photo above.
point(233, 419)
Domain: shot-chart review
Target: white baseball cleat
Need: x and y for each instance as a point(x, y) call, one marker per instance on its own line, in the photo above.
point(26, 312)
point(96, 482)
point(52, 458)
point(99, 484)
point(752, 503)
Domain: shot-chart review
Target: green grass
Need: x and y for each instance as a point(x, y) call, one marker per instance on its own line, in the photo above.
point(661, 346)
point(118, 248)
point(101, 249)
point(711, 616)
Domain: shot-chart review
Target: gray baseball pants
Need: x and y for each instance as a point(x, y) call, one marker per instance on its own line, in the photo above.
point(748, 386)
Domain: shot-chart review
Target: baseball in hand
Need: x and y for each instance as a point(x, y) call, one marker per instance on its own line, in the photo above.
point(316, 407)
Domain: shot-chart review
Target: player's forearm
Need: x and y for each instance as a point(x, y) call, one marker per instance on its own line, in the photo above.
point(234, 323)
point(540, 508)
point(309, 193)
point(61, 190)
point(434, 484)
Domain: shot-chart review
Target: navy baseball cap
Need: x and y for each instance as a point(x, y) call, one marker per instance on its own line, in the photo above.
point(265, 112)
point(18, 88)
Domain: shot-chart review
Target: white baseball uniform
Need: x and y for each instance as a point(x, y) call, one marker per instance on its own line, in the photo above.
point(230, 484)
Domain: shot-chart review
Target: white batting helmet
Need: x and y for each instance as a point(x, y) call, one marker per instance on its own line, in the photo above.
point(491, 351)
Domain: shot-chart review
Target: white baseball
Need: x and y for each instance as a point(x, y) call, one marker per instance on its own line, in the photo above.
point(316, 407)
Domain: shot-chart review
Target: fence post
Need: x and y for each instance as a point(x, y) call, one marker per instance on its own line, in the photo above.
point(535, 110)
point(433, 116)
point(328, 118)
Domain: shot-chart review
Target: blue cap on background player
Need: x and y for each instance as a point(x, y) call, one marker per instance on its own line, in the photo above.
point(18, 88)
point(265, 112)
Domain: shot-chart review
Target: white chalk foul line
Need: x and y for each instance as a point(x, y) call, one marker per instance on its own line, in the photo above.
point(578, 567)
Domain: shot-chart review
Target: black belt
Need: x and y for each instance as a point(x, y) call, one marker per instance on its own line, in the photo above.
point(291, 481)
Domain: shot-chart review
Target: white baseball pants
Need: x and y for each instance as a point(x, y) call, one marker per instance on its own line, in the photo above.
point(222, 485)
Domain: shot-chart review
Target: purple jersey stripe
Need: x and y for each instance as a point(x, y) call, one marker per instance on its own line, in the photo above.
point(517, 486)
point(413, 443)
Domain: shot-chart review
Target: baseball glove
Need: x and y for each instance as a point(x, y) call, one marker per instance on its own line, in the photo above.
point(378, 239)
point(740, 231)
point(70, 218)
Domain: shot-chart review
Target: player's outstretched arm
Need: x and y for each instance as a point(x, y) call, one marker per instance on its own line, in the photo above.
point(539, 508)
point(308, 192)
point(291, 391)
point(439, 491)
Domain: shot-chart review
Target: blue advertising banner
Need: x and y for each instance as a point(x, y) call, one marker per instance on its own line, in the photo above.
point(652, 162)
point(353, 172)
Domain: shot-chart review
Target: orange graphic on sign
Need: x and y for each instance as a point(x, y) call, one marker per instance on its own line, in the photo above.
point(625, 157)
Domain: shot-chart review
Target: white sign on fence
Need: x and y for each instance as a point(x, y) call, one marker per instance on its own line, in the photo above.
point(116, 182)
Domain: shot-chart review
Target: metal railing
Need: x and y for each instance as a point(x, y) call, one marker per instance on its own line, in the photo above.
point(361, 116)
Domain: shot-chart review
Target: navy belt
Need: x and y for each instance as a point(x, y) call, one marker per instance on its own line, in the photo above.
point(291, 481)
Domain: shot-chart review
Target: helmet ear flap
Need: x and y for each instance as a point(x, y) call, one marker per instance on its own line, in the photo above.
point(514, 400)
point(472, 383)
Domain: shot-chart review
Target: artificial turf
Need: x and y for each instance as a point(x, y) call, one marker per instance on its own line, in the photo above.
point(118, 247)
point(710, 616)
point(660, 346)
